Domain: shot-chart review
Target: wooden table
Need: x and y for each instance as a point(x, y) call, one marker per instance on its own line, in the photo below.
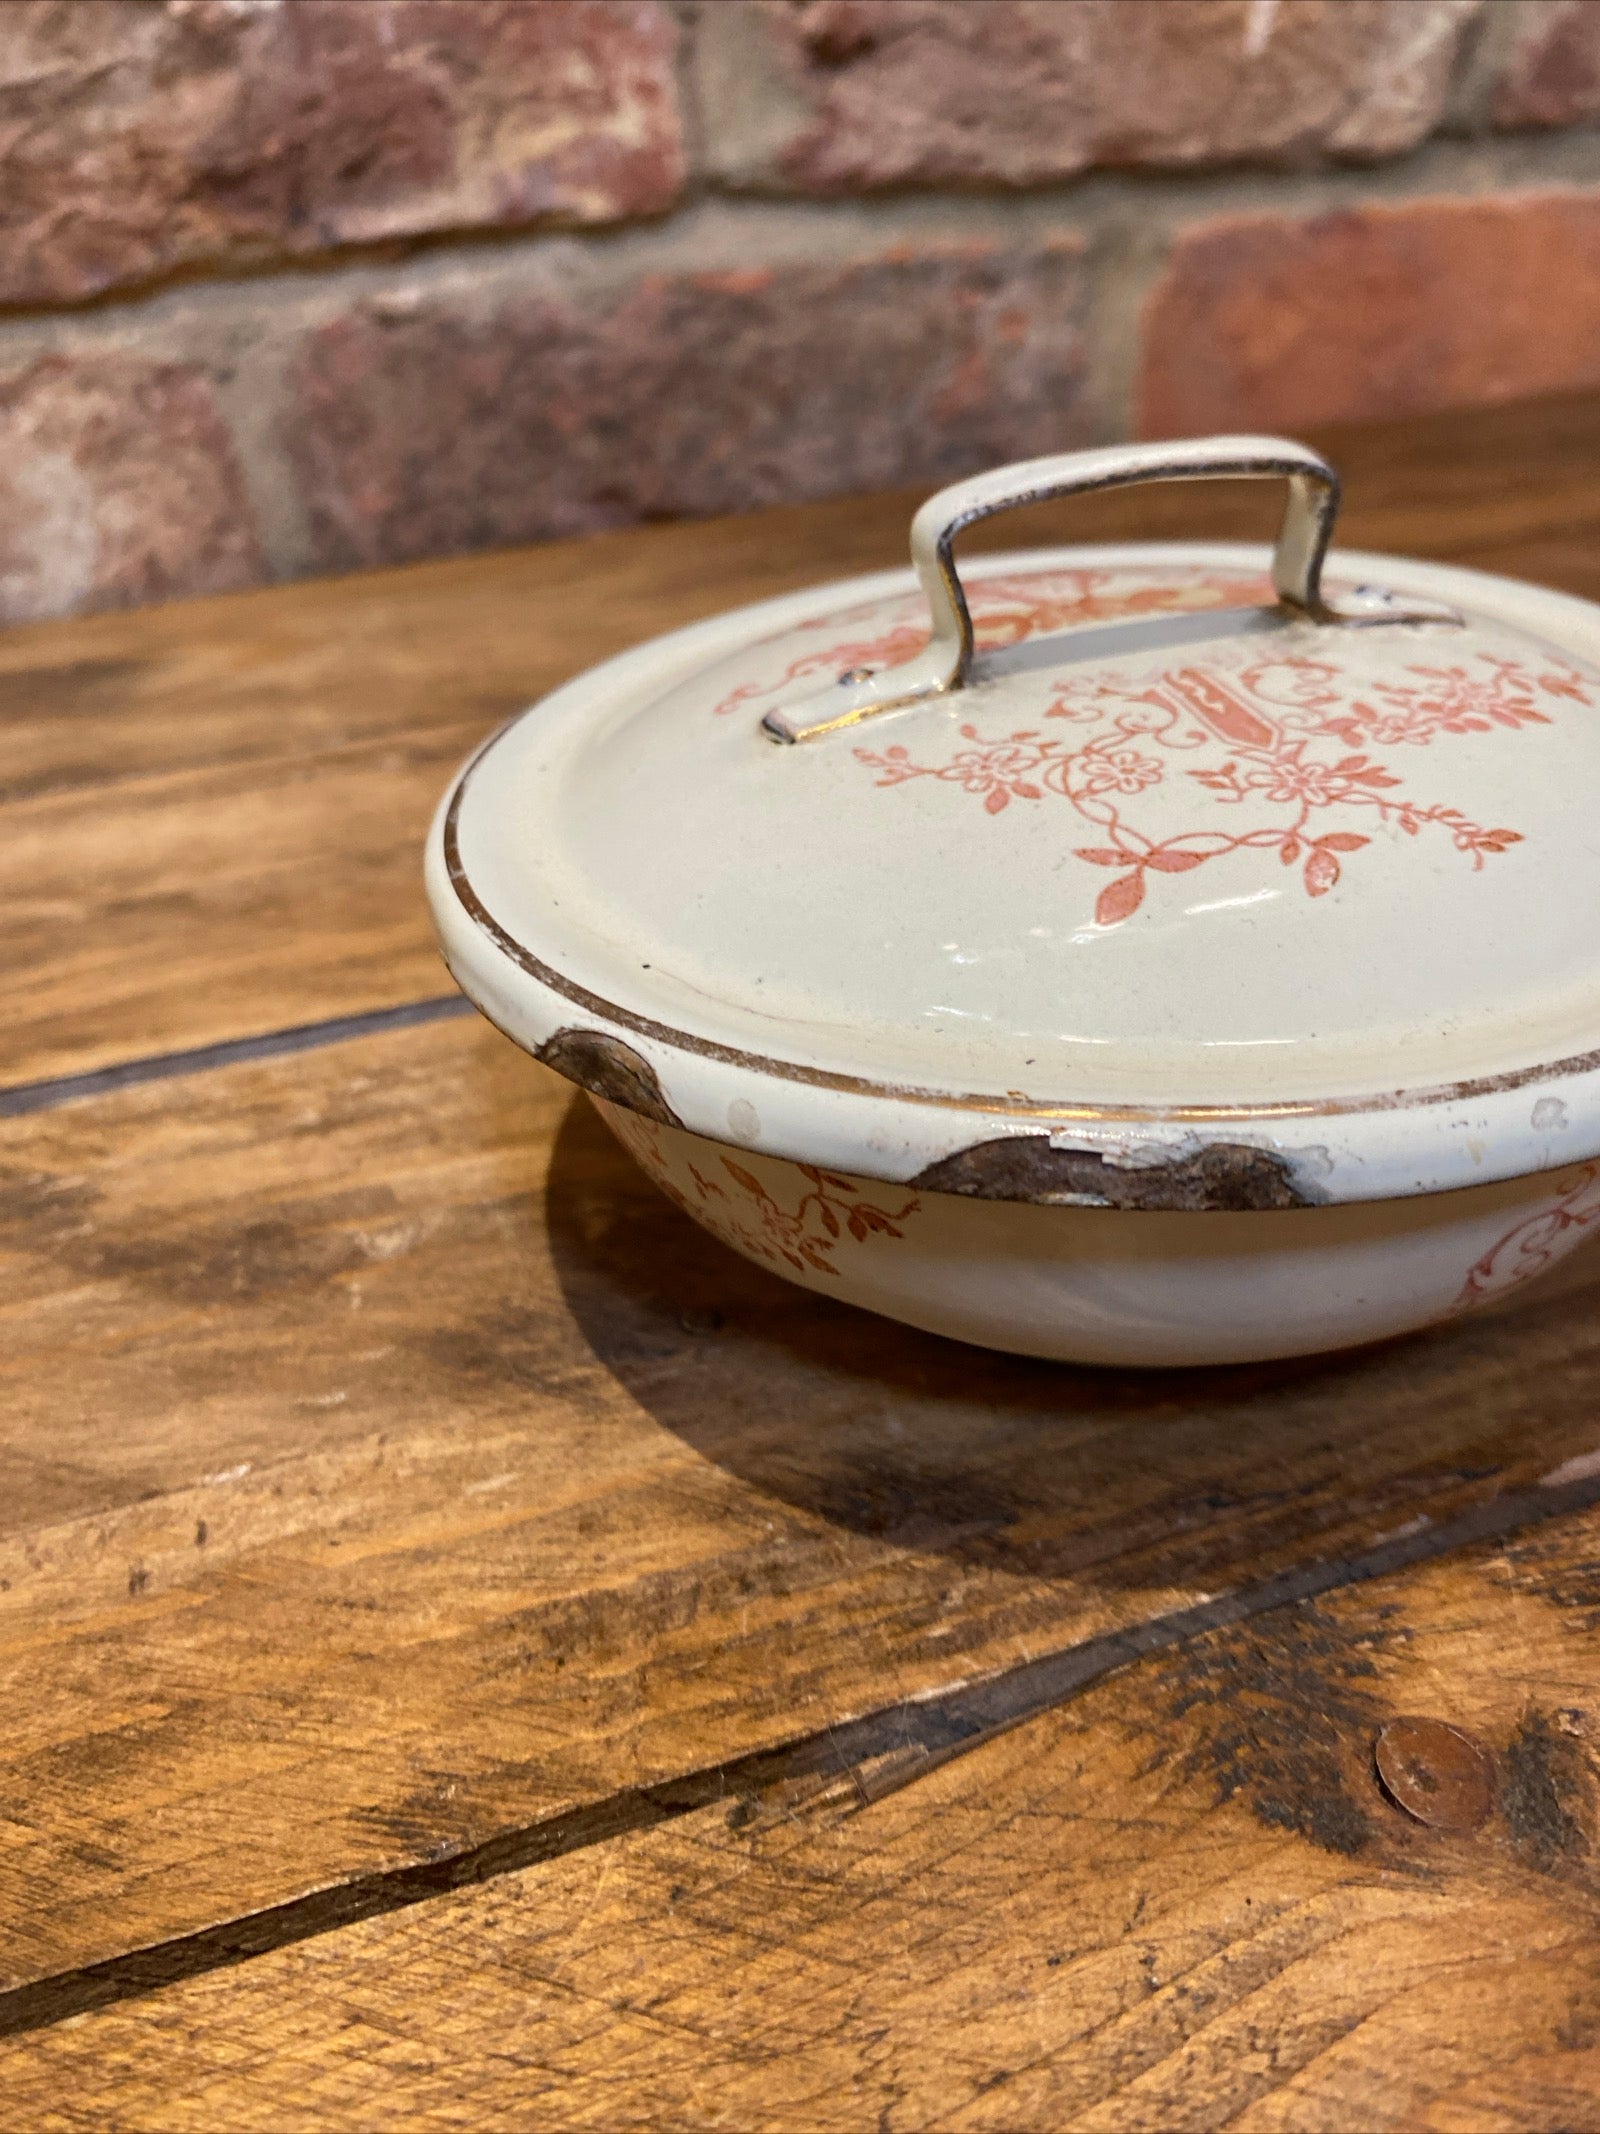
point(477, 1655)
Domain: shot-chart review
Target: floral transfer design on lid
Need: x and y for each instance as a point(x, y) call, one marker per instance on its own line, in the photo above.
point(1006, 610)
point(1281, 743)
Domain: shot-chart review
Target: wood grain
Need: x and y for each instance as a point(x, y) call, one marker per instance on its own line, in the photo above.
point(1183, 1902)
point(211, 814)
point(387, 1466)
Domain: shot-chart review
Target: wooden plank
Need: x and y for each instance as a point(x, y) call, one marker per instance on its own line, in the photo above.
point(1182, 1902)
point(388, 1466)
point(213, 812)
point(210, 813)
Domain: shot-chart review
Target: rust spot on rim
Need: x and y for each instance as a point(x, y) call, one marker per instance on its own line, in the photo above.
point(608, 1068)
point(1226, 1176)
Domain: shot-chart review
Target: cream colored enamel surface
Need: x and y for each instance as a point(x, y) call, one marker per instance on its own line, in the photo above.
point(1093, 1285)
point(792, 900)
point(880, 974)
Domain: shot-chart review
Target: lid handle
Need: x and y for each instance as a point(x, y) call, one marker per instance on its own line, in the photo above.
point(1296, 561)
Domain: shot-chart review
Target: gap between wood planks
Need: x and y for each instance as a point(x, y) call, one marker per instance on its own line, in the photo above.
point(24, 1097)
point(846, 1766)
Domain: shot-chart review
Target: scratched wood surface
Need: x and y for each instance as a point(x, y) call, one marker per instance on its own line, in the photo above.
point(1181, 1902)
point(212, 812)
point(387, 1465)
point(441, 1603)
point(395, 1493)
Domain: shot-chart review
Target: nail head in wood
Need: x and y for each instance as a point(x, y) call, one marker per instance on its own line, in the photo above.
point(1436, 1772)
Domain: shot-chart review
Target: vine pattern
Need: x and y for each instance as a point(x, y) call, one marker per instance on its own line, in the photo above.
point(803, 1237)
point(1006, 610)
point(1535, 1242)
point(744, 1214)
point(1269, 718)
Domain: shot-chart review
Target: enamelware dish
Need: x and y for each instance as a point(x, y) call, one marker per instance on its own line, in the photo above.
point(1147, 954)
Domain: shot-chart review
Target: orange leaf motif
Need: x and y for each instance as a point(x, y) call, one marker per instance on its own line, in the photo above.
point(1119, 900)
point(1166, 862)
point(1322, 871)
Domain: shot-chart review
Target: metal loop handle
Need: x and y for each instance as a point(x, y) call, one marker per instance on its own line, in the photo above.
point(1296, 562)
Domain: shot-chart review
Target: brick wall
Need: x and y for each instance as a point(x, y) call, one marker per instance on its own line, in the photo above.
point(299, 285)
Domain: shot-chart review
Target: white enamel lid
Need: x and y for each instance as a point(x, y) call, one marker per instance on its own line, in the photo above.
point(1178, 846)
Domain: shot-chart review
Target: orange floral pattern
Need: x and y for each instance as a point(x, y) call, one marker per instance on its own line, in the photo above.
point(740, 1210)
point(1537, 1241)
point(1006, 610)
point(1279, 738)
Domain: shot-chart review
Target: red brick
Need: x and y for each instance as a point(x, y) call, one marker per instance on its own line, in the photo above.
point(434, 429)
point(1271, 321)
point(1552, 75)
point(137, 137)
point(1017, 92)
point(118, 485)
